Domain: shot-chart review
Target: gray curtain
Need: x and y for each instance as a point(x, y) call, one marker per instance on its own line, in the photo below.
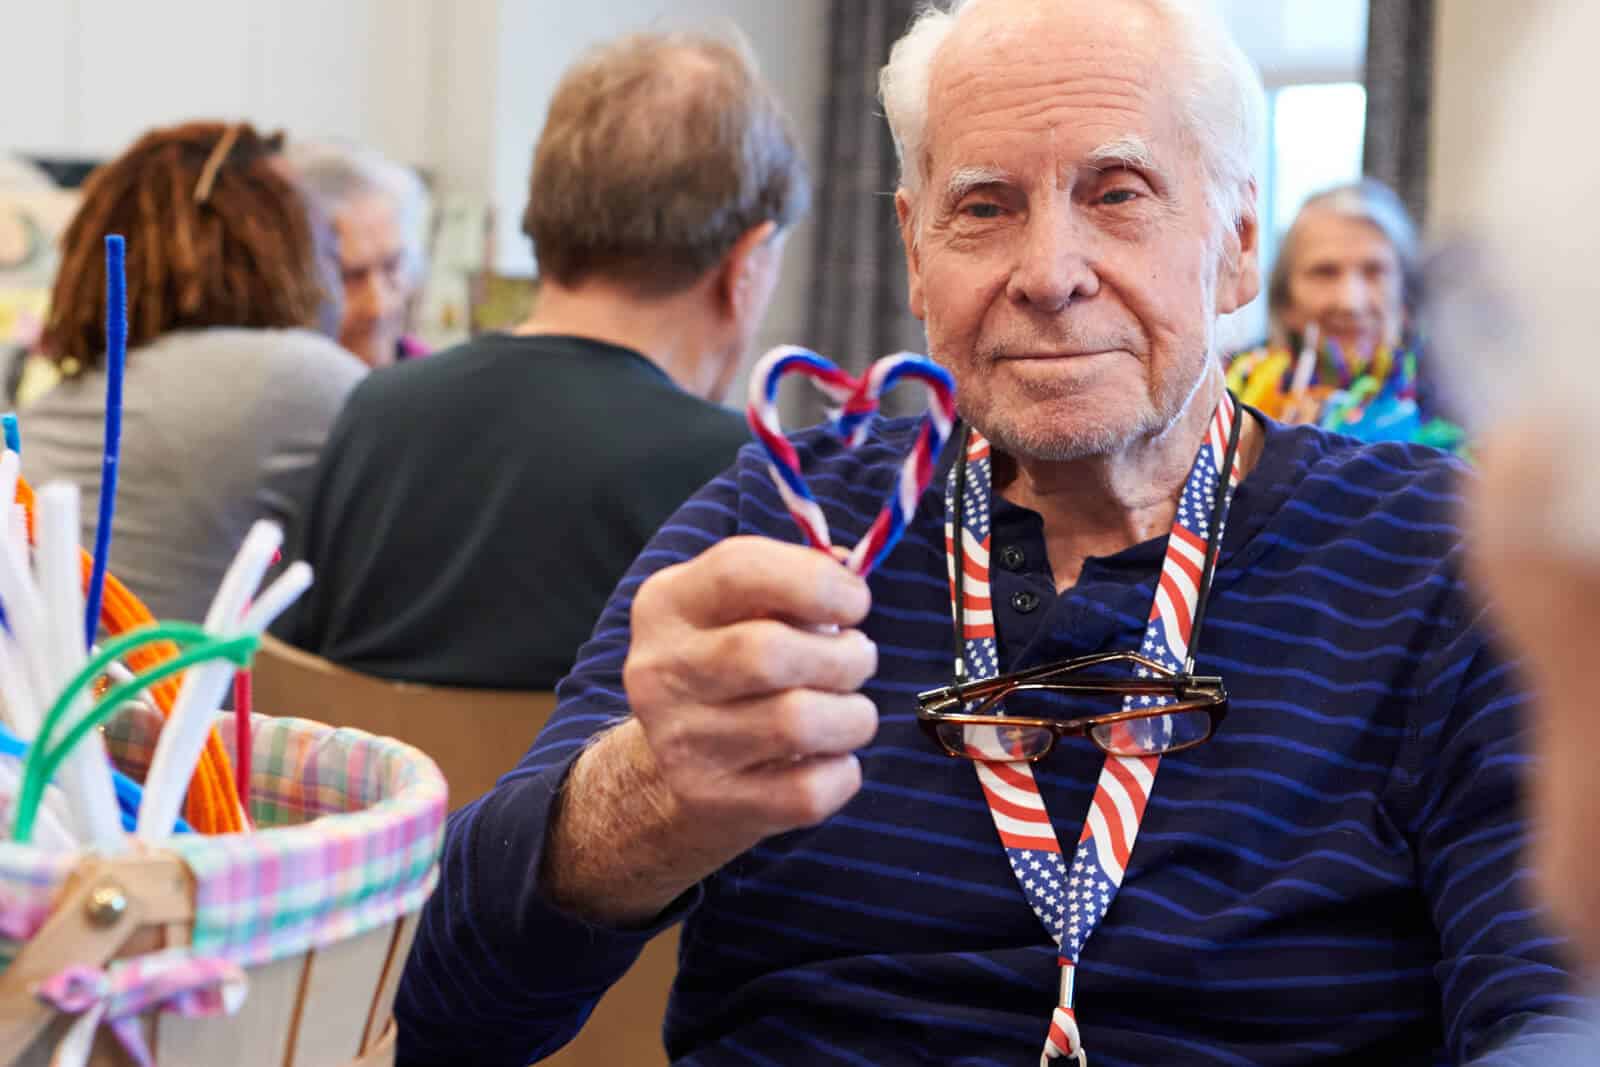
point(858, 274)
point(1399, 77)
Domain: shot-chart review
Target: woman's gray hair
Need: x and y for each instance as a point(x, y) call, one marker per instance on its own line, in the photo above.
point(334, 173)
point(1223, 102)
point(1369, 201)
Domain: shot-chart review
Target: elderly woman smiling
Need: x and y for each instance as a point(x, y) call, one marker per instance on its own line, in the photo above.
point(1341, 351)
point(1347, 270)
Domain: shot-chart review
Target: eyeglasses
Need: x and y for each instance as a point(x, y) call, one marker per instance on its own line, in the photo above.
point(1020, 716)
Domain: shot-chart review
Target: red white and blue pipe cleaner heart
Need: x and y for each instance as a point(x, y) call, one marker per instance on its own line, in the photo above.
point(857, 401)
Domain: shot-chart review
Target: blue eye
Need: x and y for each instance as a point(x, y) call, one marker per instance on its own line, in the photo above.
point(982, 211)
point(1119, 196)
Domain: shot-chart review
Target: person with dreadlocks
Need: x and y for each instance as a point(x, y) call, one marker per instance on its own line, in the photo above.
point(229, 392)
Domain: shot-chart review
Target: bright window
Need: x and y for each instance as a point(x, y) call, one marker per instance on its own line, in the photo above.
point(1314, 140)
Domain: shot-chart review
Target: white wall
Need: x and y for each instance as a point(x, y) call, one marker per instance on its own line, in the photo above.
point(83, 77)
point(1474, 42)
point(457, 87)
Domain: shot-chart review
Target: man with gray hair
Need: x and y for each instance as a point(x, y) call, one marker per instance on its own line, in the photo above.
point(379, 212)
point(1063, 848)
point(473, 511)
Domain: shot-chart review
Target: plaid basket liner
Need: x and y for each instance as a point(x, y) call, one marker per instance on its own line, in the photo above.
point(349, 829)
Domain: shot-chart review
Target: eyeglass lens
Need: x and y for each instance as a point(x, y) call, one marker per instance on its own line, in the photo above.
point(1136, 737)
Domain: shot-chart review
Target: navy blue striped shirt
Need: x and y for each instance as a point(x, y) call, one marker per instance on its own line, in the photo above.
point(1337, 875)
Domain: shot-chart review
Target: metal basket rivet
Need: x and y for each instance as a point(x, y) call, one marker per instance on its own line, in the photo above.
point(106, 905)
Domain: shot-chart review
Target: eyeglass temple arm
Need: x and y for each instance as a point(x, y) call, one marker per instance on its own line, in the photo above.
point(954, 697)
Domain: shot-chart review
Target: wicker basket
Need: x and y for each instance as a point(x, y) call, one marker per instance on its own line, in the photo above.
point(311, 915)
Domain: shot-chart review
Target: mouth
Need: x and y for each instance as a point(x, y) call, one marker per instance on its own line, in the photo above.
point(1353, 337)
point(1055, 359)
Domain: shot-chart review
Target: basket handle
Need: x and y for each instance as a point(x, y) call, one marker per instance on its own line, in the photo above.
point(103, 904)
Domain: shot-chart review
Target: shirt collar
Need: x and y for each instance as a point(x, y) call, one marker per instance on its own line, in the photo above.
point(1257, 499)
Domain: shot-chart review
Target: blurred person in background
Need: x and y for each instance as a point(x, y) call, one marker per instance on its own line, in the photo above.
point(1348, 268)
point(1515, 310)
point(228, 393)
point(33, 213)
point(379, 210)
point(474, 510)
point(1341, 351)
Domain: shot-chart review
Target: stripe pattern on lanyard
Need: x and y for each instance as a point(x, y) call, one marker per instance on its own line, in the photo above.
point(1070, 898)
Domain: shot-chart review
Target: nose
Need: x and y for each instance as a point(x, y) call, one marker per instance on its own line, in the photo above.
point(391, 293)
point(371, 296)
point(1352, 294)
point(1053, 267)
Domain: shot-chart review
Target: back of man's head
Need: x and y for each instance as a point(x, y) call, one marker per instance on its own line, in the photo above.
point(659, 152)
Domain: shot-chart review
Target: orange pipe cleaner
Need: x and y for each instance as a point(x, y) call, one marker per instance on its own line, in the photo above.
point(212, 804)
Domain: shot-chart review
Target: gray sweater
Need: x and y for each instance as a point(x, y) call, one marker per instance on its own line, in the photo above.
point(220, 428)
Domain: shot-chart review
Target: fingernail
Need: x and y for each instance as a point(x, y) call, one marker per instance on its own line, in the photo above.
point(871, 646)
point(849, 594)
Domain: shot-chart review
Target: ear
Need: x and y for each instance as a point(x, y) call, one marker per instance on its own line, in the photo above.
point(738, 288)
point(904, 209)
point(1240, 279)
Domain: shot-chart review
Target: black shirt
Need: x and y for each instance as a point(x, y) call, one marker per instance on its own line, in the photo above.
point(473, 511)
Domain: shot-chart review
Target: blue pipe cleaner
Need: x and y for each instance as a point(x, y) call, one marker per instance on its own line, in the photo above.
point(129, 792)
point(116, 361)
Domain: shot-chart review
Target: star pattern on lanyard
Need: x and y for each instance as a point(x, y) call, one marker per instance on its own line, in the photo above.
point(1040, 873)
point(1089, 893)
point(977, 519)
point(1199, 493)
point(1156, 647)
point(983, 653)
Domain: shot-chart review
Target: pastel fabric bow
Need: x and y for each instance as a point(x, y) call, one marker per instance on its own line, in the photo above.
point(856, 402)
point(171, 980)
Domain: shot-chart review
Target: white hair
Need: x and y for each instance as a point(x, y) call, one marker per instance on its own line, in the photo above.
point(1221, 101)
point(335, 173)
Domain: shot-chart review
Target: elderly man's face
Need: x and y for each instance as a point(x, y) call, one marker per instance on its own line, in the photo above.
point(377, 289)
point(1344, 276)
point(1062, 252)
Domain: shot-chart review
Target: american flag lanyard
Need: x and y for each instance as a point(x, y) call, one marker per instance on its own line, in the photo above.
point(1070, 901)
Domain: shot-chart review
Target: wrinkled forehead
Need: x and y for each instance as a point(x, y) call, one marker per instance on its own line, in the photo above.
point(368, 224)
point(1050, 81)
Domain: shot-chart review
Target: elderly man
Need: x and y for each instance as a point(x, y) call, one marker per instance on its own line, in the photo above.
point(1331, 876)
point(474, 510)
point(379, 211)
